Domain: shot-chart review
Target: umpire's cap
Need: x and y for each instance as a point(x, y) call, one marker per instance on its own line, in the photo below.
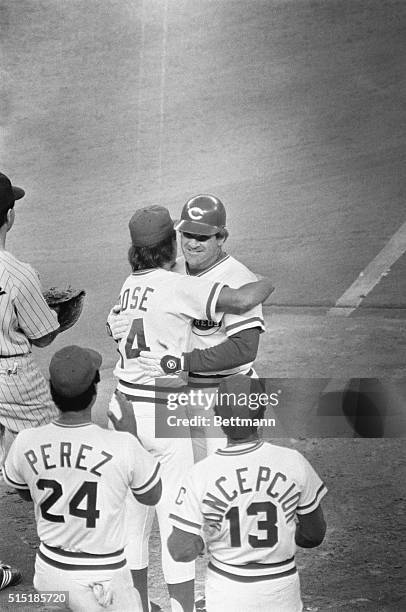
point(73, 369)
point(8, 193)
point(203, 214)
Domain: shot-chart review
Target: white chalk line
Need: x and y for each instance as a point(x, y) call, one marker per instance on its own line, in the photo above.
point(372, 274)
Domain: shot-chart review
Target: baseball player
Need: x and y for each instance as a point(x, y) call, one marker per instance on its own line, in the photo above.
point(216, 349)
point(78, 476)
point(25, 319)
point(160, 306)
point(251, 503)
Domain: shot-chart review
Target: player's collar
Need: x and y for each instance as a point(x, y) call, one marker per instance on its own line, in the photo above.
point(84, 424)
point(240, 449)
point(216, 263)
point(141, 272)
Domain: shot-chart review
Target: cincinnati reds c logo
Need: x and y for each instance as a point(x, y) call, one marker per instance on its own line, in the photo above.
point(195, 213)
point(171, 364)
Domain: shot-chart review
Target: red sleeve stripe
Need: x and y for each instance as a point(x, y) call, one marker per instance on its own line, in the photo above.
point(244, 323)
point(147, 485)
point(321, 490)
point(184, 521)
point(13, 483)
point(209, 305)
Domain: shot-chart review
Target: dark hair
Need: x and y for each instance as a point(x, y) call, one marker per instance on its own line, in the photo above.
point(77, 403)
point(239, 432)
point(223, 233)
point(3, 214)
point(147, 257)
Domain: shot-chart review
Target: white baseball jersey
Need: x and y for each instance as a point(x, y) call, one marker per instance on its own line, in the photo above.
point(246, 497)
point(161, 305)
point(24, 313)
point(79, 477)
point(206, 333)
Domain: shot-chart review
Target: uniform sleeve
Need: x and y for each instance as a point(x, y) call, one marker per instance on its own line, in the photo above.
point(313, 488)
point(35, 318)
point(12, 468)
point(197, 297)
point(185, 512)
point(144, 470)
point(234, 323)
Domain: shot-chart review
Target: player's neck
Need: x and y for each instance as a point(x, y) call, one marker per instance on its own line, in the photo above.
point(3, 234)
point(75, 418)
point(199, 270)
point(252, 438)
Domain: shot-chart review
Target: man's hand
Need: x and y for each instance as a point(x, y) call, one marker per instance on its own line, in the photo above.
point(127, 421)
point(118, 323)
point(155, 365)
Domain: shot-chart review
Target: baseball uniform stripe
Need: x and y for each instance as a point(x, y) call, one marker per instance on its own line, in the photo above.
point(184, 522)
point(256, 578)
point(212, 301)
point(233, 453)
point(13, 483)
point(80, 555)
point(151, 482)
point(313, 504)
point(82, 566)
point(247, 324)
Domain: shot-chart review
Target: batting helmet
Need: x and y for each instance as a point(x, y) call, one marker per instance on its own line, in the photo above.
point(202, 214)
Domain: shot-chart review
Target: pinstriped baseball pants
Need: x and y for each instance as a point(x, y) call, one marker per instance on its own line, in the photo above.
point(25, 400)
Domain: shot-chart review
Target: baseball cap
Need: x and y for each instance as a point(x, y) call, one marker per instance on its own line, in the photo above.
point(150, 225)
point(202, 214)
point(8, 193)
point(72, 370)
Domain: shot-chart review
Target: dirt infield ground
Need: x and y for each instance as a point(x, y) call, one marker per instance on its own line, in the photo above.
point(360, 566)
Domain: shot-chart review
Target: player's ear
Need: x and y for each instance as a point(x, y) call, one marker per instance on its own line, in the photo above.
point(10, 218)
point(222, 236)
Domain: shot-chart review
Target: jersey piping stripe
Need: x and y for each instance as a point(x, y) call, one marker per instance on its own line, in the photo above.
point(150, 480)
point(184, 521)
point(239, 578)
point(322, 490)
point(151, 388)
point(203, 272)
point(210, 300)
point(233, 453)
point(144, 399)
point(13, 483)
point(81, 555)
point(204, 376)
point(244, 323)
point(81, 567)
point(253, 566)
point(71, 426)
point(142, 272)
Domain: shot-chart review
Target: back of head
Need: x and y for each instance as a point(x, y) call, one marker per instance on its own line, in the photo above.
point(8, 195)
point(238, 399)
point(74, 372)
point(203, 214)
point(153, 238)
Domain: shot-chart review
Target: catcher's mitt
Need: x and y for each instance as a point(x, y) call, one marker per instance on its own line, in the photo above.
point(68, 304)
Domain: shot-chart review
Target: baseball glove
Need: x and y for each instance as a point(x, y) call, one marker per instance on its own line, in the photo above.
point(67, 303)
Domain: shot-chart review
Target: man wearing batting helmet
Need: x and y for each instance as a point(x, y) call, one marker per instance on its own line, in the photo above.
point(160, 307)
point(216, 349)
